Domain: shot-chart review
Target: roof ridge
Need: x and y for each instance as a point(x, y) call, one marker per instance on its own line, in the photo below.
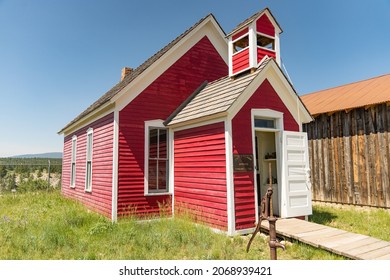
point(250, 19)
point(246, 21)
point(106, 97)
point(345, 85)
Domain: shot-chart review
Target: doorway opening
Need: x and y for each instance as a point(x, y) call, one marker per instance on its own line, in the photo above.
point(267, 167)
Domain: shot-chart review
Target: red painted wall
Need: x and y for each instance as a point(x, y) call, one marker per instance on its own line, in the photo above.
point(200, 174)
point(261, 53)
point(240, 60)
point(265, 26)
point(264, 97)
point(202, 62)
point(100, 197)
point(239, 34)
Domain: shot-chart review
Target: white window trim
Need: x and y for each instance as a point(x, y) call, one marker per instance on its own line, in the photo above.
point(239, 38)
point(240, 51)
point(148, 125)
point(89, 132)
point(73, 156)
point(270, 37)
point(268, 114)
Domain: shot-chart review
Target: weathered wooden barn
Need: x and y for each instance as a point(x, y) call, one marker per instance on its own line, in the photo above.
point(196, 127)
point(349, 143)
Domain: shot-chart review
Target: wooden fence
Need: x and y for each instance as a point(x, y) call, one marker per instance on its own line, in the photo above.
point(350, 156)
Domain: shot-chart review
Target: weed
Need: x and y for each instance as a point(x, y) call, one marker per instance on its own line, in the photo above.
point(45, 225)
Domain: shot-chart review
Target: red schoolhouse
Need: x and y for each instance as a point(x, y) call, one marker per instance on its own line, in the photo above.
point(203, 125)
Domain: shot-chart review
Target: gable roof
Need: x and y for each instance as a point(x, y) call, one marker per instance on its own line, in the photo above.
point(249, 20)
point(103, 100)
point(217, 98)
point(350, 96)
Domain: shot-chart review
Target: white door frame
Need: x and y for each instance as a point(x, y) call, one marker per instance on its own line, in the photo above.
point(278, 118)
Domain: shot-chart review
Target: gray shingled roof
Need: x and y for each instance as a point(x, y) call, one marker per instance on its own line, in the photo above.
point(217, 97)
point(134, 74)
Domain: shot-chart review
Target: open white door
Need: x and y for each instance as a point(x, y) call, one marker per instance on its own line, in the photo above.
point(296, 186)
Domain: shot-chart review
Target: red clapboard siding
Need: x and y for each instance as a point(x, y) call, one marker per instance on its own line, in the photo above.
point(202, 62)
point(239, 34)
point(240, 60)
point(100, 197)
point(265, 26)
point(264, 97)
point(261, 53)
point(200, 173)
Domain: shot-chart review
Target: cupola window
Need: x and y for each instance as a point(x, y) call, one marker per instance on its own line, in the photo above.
point(265, 42)
point(241, 44)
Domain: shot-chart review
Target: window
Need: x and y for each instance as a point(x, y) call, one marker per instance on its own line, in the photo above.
point(73, 162)
point(88, 172)
point(157, 160)
point(266, 42)
point(241, 44)
point(265, 123)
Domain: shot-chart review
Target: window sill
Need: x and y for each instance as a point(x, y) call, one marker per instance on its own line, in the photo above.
point(240, 51)
point(157, 193)
point(72, 187)
point(266, 49)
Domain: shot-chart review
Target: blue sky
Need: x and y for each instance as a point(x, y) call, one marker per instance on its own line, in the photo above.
point(57, 57)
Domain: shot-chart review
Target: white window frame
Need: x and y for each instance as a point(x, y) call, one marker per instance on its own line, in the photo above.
point(73, 160)
point(89, 158)
point(267, 36)
point(159, 125)
point(238, 39)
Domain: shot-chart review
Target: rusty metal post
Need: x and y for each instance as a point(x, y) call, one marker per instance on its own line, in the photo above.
point(273, 243)
point(267, 213)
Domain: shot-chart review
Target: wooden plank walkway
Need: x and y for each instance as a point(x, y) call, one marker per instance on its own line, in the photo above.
point(347, 244)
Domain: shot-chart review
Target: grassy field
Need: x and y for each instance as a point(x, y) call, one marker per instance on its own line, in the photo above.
point(374, 222)
point(45, 225)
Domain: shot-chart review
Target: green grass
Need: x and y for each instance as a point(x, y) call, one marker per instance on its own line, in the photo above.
point(373, 222)
point(45, 225)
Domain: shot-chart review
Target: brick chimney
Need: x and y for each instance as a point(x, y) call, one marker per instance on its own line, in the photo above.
point(126, 71)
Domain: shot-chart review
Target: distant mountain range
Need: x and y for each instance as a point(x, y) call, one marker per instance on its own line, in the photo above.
point(44, 155)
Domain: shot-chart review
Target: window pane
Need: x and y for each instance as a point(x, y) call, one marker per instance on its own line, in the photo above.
point(89, 147)
point(162, 174)
point(241, 44)
point(158, 159)
point(74, 150)
point(153, 139)
point(73, 174)
point(265, 123)
point(162, 144)
point(152, 180)
point(89, 177)
point(265, 42)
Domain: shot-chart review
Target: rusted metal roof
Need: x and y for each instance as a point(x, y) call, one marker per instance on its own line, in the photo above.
point(347, 97)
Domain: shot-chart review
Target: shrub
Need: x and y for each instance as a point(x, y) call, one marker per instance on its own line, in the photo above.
point(32, 185)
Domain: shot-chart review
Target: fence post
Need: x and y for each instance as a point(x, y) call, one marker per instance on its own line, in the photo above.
point(48, 177)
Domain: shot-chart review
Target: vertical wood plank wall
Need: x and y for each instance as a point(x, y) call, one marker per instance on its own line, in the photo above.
point(350, 156)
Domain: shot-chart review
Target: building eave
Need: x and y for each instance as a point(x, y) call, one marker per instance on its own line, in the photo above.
point(149, 66)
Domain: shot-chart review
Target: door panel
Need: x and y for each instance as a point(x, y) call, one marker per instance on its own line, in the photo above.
point(296, 181)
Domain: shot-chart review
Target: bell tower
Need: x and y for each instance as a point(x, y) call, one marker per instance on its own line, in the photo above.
point(252, 40)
